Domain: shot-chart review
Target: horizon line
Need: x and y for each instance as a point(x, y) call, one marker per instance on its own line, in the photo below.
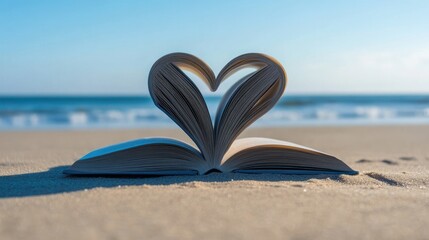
point(214, 95)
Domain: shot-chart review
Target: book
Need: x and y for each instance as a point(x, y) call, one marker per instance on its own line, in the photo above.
point(217, 150)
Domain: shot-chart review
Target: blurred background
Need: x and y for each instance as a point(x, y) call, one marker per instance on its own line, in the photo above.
point(84, 64)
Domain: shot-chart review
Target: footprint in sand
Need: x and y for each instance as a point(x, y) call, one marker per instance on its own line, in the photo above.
point(6, 164)
point(386, 161)
point(364, 161)
point(384, 179)
point(408, 158)
point(390, 162)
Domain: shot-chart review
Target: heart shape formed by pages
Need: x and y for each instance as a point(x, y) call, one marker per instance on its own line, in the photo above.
point(247, 100)
point(219, 151)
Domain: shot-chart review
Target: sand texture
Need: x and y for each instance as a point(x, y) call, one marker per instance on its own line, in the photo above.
point(389, 199)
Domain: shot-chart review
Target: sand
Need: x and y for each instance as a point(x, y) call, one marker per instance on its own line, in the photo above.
point(389, 199)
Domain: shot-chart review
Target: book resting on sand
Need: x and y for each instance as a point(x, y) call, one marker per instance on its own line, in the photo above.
point(217, 148)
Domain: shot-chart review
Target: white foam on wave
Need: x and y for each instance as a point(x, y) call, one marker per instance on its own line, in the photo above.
point(18, 120)
point(115, 115)
point(34, 119)
point(127, 116)
point(426, 112)
point(147, 113)
point(325, 114)
point(375, 112)
point(283, 115)
point(23, 120)
point(78, 118)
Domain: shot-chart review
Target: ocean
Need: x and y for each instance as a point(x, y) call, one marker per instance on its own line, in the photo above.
point(27, 113)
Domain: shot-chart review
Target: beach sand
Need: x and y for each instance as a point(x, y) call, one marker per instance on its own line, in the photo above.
point(389, 199)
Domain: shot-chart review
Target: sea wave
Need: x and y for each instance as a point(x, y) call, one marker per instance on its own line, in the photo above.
point(143, 117)
point(67, 113)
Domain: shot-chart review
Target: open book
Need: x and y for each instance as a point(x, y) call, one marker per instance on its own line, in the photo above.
point(218, 150)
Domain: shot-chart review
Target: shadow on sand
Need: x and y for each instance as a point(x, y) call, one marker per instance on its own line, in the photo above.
point(54, 182)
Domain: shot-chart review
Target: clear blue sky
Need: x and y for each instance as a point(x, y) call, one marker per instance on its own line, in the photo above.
point(108, 47)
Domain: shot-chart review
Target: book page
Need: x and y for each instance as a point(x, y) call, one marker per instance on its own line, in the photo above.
point(263, 155)
point(136, 143)
point(147, 156)
point(245, 143)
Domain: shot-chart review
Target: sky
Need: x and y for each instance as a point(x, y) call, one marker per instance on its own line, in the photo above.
point(107, 47)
